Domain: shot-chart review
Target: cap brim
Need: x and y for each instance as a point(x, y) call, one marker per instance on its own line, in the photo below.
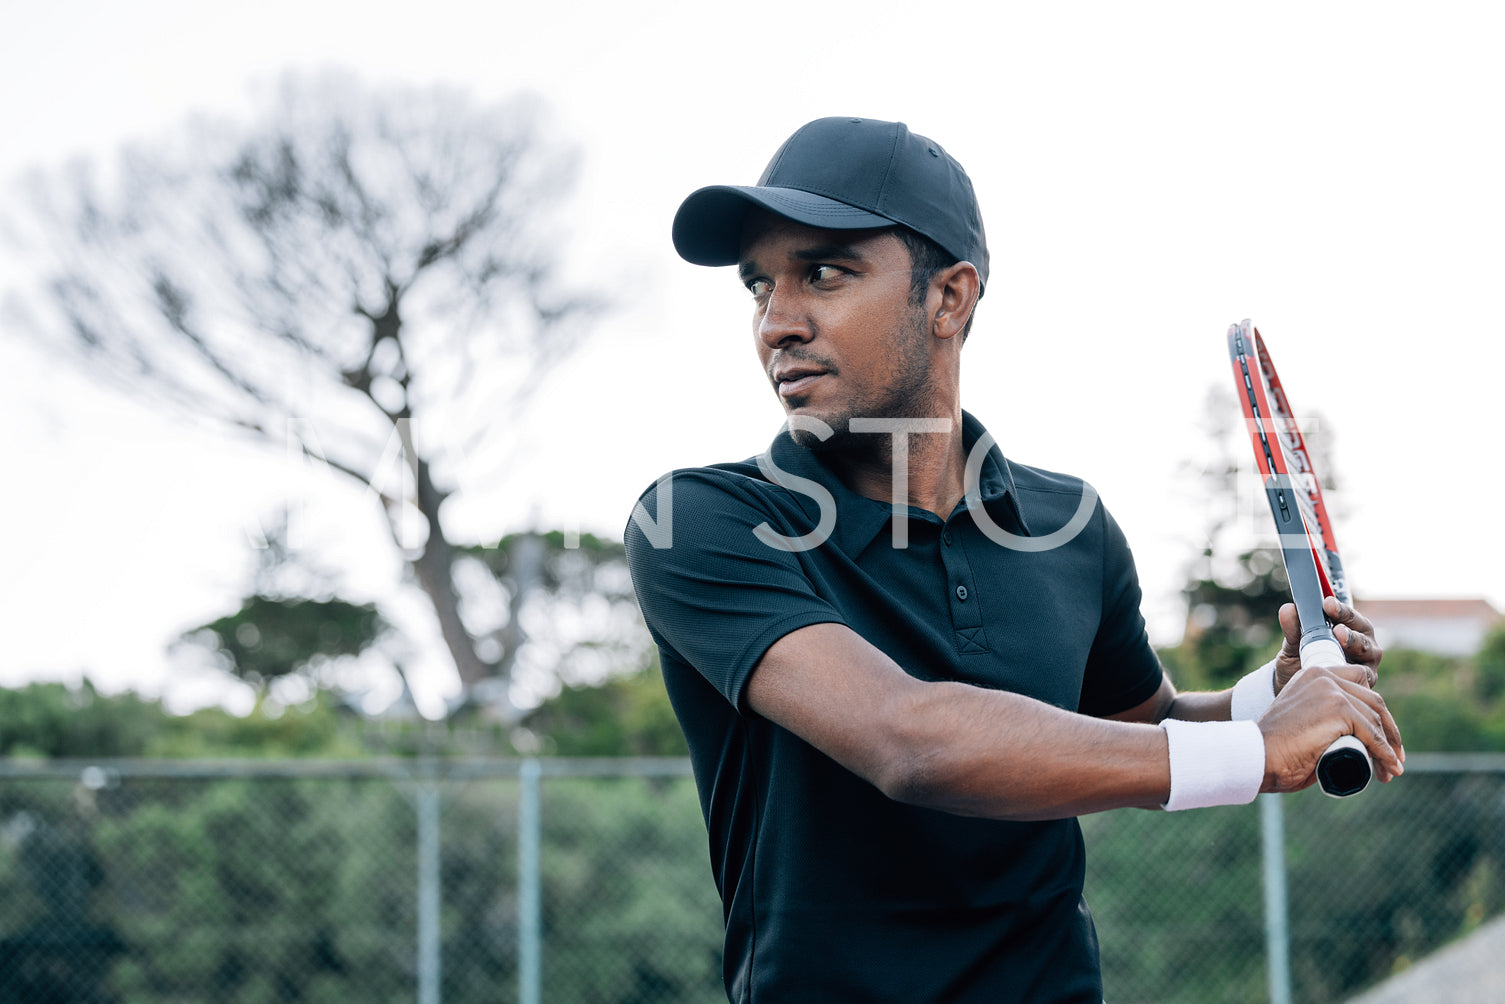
point(708, 226)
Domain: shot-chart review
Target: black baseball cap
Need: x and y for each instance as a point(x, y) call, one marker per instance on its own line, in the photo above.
point(843, 174)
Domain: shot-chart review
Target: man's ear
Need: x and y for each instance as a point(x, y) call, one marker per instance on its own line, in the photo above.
point(954, 290)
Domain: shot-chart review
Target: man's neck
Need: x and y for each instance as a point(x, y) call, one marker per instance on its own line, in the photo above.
point(932, 464)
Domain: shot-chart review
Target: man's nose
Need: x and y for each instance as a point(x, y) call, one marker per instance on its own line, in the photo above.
point(784, 320)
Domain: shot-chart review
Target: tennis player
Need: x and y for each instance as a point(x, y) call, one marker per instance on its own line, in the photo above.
point(904, 664)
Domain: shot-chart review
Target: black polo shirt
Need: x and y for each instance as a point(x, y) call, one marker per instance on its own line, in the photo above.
point(831, 891)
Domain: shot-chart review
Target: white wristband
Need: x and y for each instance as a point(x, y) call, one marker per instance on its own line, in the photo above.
point(1254, 693)
point(1213, 763)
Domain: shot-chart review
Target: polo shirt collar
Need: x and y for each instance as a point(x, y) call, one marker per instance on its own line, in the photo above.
point(859, 519)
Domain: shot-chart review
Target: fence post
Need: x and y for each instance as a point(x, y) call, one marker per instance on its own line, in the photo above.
point(529, 898)
point(429, 956)
point(1277, 917)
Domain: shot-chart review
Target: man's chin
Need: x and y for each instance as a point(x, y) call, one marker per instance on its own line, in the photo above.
point(817, 431)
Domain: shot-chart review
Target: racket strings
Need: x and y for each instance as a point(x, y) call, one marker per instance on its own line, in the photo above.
point(1293, 474)
point(1287, 464)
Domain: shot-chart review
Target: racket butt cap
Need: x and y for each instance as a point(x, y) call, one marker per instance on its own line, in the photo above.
point(1345, 769)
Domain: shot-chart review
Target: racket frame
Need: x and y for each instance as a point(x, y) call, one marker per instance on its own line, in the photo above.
point(1308, 549)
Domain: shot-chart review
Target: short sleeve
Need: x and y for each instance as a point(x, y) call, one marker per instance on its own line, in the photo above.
point(712, 593)
point(1122, 668)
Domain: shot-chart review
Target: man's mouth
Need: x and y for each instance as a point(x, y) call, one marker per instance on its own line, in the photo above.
point(796, 381)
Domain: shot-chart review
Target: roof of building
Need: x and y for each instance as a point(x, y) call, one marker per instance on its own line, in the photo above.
point(1469, 608)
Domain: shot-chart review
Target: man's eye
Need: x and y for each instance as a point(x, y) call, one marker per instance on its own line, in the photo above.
point(759, 287)
point(824, 273)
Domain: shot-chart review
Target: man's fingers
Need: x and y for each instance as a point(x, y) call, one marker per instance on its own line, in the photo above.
point(1363, 709)
point(1384, 740)
point(1391, 729)
point(1290, 624)
point(1342, 613)
point(1382, 749)
point(1358, 647)
point(1362, 674)
point(1354, 632)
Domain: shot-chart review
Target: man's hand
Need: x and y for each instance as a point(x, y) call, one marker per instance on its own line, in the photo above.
point(1354, 633)
point(1316, 707)
point(1319, 705)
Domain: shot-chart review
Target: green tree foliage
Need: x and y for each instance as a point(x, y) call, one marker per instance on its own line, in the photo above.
point(608, 942)
point(1155, 944)
point(1448, 703)
point(316, 728)
point(278, 889)
point(628, 715)
point(53, 944)
point(293, 623)
point(1444, 704)
point(1375, 883)
point(1381, 880)
point(269, 638)
point(260, 859)
point(252, 891)
point(55, 720)
point(1489, 666)
point(275, 889)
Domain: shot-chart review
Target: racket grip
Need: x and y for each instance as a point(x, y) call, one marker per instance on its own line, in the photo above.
point(1345, 769)
point(1322, 651)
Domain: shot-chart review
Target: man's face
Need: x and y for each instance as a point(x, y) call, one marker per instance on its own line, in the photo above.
point(834, 325)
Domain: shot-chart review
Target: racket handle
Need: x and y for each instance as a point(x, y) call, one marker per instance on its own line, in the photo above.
point(1322, 650)
point(1345, 769)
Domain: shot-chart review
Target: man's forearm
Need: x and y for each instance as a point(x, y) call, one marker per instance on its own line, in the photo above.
point(1201, 706)
point(953, 746)
point(1000, 755)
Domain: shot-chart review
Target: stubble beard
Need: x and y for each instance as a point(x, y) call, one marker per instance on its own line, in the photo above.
point(908, 393)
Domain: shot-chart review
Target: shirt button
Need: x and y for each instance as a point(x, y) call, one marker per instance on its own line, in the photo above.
point(961, 593)
point(946, 537)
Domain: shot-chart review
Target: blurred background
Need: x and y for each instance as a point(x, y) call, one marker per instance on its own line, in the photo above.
point(337, 341)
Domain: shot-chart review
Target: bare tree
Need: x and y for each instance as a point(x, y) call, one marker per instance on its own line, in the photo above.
point(371, 272)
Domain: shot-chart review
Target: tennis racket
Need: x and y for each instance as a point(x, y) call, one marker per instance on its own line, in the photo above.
point(1306, 535)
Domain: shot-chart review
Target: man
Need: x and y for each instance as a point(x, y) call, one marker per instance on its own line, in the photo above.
point(904, 664)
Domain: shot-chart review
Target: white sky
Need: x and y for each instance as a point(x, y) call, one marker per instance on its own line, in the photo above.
point(1148, 172)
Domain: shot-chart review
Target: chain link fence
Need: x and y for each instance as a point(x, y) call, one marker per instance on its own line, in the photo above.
point(588, 882)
